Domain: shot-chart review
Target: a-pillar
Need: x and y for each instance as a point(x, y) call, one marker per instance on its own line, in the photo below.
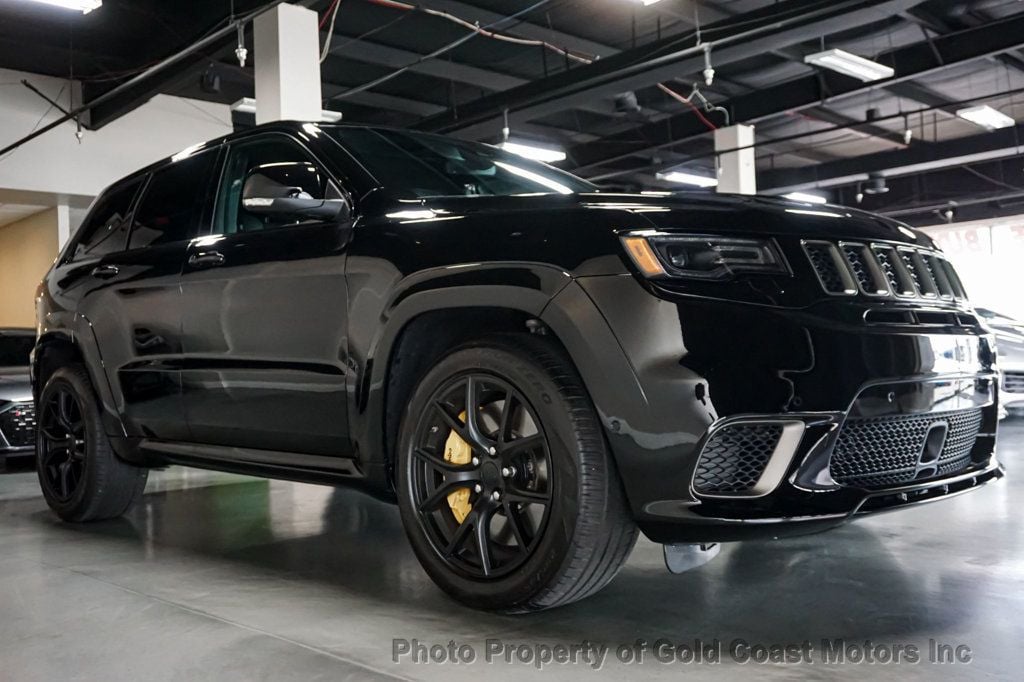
point(287, 62)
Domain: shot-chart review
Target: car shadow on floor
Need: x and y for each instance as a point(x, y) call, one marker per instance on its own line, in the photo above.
point(841, 584)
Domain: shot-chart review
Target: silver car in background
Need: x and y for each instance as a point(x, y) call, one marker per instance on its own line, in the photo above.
point(17, 410)
point(1010, 346)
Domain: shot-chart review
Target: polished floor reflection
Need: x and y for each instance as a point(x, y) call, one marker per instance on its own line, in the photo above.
point(224, 577)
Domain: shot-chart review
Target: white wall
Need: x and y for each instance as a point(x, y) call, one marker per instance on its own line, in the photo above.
point(56, 164)
point(988, 255)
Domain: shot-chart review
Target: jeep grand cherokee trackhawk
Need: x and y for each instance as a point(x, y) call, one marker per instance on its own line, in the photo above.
point(534, 370)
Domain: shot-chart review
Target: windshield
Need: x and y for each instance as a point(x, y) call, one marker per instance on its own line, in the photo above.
point(425, 165)
point(15, 349)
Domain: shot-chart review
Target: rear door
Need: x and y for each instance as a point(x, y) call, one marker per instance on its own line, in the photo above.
point(128, 276)
point(265, 303)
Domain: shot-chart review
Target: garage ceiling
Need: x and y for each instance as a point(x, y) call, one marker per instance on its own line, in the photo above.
point(813, 126)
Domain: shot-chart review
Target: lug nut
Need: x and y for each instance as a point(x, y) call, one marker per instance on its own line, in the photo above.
point(478, 488)
point(475, 462)
point(492, 451)
point(496, 495)
point(508, 472)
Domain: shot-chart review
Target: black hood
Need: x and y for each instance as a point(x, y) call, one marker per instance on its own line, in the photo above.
point(700, 212)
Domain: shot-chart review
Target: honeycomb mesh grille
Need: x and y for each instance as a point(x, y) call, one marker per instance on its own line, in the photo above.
point(886, 258)
point(822, 258)
point(18, 425)
point(881, 452)
point(734, 458)
point(860, 268)
point(883, 270)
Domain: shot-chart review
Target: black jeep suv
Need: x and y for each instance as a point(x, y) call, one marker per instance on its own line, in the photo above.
point(532, 369)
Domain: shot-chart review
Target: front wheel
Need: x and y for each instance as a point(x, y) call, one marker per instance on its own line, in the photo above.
point(81, 477)
point(506, 487)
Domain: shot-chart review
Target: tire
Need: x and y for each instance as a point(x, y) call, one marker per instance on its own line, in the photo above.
point(81, 477)
point(558, 551)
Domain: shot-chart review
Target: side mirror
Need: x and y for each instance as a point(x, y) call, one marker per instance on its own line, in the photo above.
point(263, 196)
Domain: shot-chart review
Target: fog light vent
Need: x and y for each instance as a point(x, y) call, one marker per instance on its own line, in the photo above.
point(734, 459)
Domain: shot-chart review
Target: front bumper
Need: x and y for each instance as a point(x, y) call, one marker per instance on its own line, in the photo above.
point(698, 364)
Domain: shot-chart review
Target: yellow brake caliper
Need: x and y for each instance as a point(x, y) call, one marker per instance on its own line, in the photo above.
point(458, 451)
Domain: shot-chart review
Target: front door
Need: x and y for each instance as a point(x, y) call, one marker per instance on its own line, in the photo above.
point(265, 306)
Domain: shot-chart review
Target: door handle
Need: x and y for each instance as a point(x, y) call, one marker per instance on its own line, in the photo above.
point(206, 259)
point(105, 271)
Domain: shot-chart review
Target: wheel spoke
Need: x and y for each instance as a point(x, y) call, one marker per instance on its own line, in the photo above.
point(461, 533)
point(452, 421)
point(520, 445)
point(50, 434)
point(476, 436)
point(527, 496)
point(65, 484)
point(436, 462)
point(481, 533)
point(515, 521)
point(51, 451)
point(440, 494)
point(504, 424)
point(64, 410)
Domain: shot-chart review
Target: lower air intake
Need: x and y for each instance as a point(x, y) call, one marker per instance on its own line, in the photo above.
point(734, 458)
point(884, 452)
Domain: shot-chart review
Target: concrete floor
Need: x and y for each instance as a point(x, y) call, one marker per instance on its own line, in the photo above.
point(224, 577)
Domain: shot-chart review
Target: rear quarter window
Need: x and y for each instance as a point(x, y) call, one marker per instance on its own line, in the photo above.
point(106, 229)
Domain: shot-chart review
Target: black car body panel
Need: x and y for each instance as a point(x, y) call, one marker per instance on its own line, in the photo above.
point(280, 357)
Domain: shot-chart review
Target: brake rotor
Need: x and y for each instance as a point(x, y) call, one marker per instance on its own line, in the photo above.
point(458, 451)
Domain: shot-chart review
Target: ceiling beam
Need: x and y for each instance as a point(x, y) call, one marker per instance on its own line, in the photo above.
point(912, 61)
point(662, 60)
point(915, 159)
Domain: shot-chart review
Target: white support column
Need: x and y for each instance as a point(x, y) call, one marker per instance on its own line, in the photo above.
point(737, 170)
point(287, 61)
point(63, 223)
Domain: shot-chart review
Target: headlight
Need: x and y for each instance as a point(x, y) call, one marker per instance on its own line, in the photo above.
point(706, 257)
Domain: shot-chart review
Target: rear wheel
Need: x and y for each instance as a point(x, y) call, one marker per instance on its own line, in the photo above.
point(506, 486)
point(81, 477)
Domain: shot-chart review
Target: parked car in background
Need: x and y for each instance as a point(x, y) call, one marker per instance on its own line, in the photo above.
point(1010, 344)
point(17, 411)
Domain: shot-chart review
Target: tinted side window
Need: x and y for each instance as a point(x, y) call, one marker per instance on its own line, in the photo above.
point(279, 168)
point(106, 229)
point(172, 206)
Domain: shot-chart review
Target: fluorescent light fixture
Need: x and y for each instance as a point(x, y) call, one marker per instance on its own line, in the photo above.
point(649, 2)
point(534, 177)
point(543, 154)
point(986, 117)
point(688, 179)
point(851, 65)
point(805, 198)
point(83, 6)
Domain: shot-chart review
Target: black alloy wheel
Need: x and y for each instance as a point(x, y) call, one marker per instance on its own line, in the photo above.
point(507, 489)
point(494, 529)
point(62, 444)
point(81, 476)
